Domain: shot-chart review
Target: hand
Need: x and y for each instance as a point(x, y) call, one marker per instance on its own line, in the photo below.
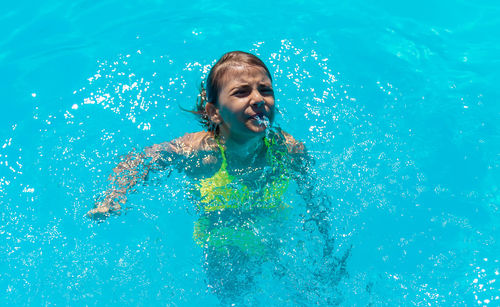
point(103, 210)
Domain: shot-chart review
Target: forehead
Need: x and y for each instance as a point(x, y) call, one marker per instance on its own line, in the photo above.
point(244, 74)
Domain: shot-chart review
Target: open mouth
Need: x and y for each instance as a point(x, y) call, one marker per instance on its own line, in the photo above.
point(258, 116)
point(261, 119)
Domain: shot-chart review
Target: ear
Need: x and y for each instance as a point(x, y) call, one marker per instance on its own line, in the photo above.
point(213, 113)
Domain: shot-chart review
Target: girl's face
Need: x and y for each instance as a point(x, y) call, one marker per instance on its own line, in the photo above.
point(245, 98)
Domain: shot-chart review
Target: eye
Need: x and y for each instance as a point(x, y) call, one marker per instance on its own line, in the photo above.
point(241, 92)
point(267, 90)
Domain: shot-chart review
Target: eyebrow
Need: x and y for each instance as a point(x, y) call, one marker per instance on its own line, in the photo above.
point(237, 87)
point(246, 84)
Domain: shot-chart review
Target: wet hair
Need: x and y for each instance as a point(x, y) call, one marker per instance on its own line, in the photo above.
point(209, 90)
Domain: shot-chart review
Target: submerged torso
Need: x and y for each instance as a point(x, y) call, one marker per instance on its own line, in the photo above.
point(239, 203)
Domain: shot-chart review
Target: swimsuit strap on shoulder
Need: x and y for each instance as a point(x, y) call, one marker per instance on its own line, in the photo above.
point(223, 154)
point(216, 188)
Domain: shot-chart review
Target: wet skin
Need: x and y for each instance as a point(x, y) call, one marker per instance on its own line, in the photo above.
point(245, 98)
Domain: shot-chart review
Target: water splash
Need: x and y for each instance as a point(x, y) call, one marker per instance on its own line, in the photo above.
point(264, 121)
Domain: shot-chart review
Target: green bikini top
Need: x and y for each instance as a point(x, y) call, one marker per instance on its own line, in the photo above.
point(223, 191)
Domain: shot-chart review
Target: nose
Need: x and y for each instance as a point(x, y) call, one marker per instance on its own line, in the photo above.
point(258, 104)
point(257, 99)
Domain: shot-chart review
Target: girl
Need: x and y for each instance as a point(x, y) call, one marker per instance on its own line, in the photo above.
point(237, 108)
point(241, 168)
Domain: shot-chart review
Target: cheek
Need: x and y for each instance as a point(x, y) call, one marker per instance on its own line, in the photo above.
point(233, 108)
point(229, 115)
point(272, 112)
point(272, 106)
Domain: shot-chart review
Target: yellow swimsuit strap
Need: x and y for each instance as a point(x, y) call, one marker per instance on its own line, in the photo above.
point(223, 154)
point(213, 190)
point(216, 192)
point(222, 172)
point(222, 175)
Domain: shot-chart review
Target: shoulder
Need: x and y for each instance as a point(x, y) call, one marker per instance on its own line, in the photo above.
point(293, 146)
point(299, 159)
point(194, 142)
point(186, 145)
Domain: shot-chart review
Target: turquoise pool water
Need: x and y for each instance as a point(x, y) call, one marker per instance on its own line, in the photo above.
point(396, 102)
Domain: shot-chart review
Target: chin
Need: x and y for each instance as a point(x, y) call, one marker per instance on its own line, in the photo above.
point(257, 129)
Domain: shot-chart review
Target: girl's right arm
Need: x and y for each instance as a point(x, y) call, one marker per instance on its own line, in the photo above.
point(133, 169)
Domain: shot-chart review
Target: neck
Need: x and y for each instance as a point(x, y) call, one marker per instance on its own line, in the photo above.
point(241, 147)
